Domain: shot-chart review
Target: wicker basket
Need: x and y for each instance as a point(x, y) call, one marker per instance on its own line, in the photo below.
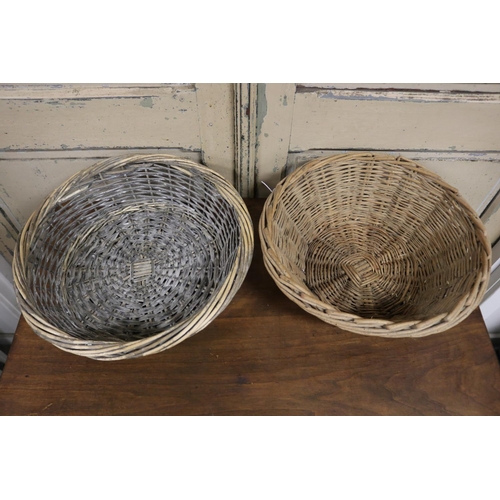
point(376, 245)
point(132, 256)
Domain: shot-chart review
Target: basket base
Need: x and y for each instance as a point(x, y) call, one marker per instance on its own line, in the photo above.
point(360, 282)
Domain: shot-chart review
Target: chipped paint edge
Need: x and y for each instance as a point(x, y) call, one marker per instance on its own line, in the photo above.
point(245, 119)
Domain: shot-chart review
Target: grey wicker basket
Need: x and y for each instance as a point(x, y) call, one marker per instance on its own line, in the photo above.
point(132, 256)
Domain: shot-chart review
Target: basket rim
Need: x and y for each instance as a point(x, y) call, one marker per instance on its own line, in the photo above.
point(120, 349)
point(303, 297)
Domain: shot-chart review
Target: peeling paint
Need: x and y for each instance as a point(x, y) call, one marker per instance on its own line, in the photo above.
point(147, 102)
point(261, 106)
point(402, 96)
point(355, 96)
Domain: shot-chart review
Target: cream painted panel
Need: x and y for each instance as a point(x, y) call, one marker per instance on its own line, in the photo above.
point(71, 90)
point(274, 124)
point(26, 181)
point(216, 115)
point(62, 118)
point(476, 176)
point(348, 119)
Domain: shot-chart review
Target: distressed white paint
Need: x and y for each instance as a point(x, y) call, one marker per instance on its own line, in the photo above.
point(96, 154)
point(403, 96)
point(216, 122)
point(165, 116)
point(74, 90)
point(436, 87)
point(322, 121)
point(245, 113)
point(274, 125)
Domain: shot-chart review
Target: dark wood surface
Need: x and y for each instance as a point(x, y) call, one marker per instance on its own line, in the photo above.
point(263, 356)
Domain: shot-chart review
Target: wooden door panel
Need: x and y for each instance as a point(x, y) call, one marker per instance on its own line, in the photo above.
point(62, 118)
point(363, 119)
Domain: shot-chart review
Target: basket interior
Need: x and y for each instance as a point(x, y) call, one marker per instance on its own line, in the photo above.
point(377, 240)
point(131, 252)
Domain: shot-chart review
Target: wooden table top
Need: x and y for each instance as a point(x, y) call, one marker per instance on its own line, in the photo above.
point(263, 355)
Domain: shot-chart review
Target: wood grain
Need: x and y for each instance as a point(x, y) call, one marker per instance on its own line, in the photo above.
point(263, 356)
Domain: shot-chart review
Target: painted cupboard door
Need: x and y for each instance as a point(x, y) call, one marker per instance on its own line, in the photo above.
point(49, 132)
point(451, 129)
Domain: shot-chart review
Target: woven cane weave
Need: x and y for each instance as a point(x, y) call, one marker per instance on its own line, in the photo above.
point(131, 256)
point(376, 245)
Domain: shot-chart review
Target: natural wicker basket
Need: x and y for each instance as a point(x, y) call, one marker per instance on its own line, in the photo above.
point(376, 245)
point(132, 256)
